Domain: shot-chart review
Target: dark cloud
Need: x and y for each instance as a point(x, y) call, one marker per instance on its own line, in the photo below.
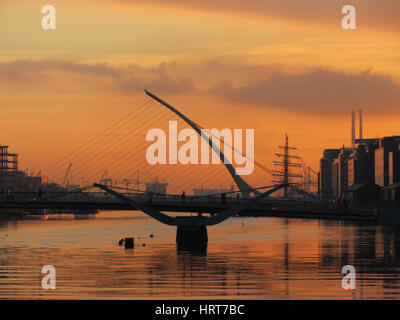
point(130, 79)
point(319, 91)
point(25, 71)
point(314, 90)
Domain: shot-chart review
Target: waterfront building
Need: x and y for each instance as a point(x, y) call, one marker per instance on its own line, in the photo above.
point(392, 192)
point(340, 172)
point(8, 168)
point(387, 164)
point(202, 192)
point(326, 170)
point(156, 187)
point(361, 163)
point(362, 194)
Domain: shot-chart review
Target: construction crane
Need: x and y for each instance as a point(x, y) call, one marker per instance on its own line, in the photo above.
point(106, 180)
point(308, 181)
point(66, 175)
point(135, 182)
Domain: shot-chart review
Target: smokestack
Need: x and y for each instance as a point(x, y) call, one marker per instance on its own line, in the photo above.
point(353, 128)
point(361, 128)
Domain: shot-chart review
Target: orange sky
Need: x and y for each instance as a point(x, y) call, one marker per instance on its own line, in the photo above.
point(278, 67)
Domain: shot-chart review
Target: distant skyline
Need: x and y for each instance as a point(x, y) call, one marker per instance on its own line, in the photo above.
point(277, 67)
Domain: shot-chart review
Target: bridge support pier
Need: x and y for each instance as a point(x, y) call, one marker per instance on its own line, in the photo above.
point(192, 238)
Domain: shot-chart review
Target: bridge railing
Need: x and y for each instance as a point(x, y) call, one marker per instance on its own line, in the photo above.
point(91, 194)
point(34, 195)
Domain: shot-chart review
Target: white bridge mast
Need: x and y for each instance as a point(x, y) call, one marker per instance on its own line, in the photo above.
point(243, 186)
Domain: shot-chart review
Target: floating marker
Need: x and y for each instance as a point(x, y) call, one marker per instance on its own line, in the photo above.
point(129, 243)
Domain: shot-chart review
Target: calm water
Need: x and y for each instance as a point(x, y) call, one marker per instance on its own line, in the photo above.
point(247, 258)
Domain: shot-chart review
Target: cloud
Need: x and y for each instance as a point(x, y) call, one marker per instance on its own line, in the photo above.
point(319, 91)
point(80, 76)
point(376, 14)
point(27, 71)
point(311, 90)
point(162, 84)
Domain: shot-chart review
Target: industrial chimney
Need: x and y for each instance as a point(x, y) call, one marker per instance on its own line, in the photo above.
point(361, 128)
point(353, 128)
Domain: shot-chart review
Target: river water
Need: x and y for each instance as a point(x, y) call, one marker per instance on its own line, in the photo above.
point(247, 258)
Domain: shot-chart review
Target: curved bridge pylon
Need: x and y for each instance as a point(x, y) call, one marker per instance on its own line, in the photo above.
point(241, 184)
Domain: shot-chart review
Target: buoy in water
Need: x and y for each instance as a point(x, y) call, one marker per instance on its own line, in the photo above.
point(129, 243)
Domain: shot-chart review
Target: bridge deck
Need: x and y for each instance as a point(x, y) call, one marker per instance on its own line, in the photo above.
point(265, 208)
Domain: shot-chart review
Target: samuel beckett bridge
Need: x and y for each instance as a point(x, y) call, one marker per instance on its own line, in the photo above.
point(120, 150)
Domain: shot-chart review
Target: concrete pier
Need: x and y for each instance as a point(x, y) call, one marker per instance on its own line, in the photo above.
point(192, 238)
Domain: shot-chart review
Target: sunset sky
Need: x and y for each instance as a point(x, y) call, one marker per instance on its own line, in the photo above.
point(276, 66)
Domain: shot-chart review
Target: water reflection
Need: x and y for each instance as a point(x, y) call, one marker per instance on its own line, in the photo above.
point(254, 258)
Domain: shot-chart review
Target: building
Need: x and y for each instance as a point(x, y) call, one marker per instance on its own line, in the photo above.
point(209, 192)
point(156, 187)
point(387, 164)
point(394, 165)
point(369, 165)
point(362, 194)
point(8, 168)
point(361, 163)
point(16, 182)
point(340, 172)
point(392, 192)
point(326, 162)
point(335, 179)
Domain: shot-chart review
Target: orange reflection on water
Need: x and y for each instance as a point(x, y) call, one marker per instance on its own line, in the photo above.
point(247, 258)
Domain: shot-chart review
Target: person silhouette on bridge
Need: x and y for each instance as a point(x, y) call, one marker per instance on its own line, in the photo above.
point(39, 193)
point(183, 196)
point(223, 198)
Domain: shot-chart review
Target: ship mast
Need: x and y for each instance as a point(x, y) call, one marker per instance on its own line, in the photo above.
point(286, 163)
